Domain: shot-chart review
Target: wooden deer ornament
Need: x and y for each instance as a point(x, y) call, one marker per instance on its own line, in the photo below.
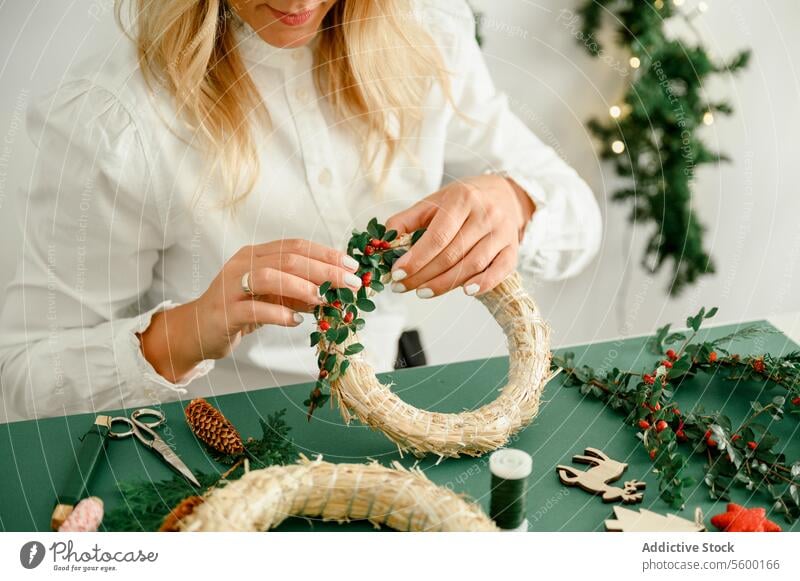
point(596, 479)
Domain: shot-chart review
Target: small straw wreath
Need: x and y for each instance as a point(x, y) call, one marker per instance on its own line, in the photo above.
point(475, 432)
point(395, 497)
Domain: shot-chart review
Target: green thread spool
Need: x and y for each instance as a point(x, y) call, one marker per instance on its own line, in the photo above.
point(510, 469)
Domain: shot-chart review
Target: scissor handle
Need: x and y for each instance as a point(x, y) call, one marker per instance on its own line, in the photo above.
point(135, 424)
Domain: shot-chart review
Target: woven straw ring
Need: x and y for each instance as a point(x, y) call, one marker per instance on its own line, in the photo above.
point(475, 432)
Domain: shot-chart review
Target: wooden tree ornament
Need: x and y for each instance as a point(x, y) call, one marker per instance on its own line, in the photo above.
point(597, 478)
point(395, 497)
point(646, 521)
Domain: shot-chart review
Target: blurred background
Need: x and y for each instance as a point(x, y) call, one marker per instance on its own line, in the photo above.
point(750, 206)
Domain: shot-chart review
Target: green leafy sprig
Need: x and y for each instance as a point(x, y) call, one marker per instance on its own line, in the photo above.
point(145, 503)
point(737, 455)
point(338, 320)
point(653, 136)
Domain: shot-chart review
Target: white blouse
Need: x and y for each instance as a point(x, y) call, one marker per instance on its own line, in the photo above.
point(119, 224)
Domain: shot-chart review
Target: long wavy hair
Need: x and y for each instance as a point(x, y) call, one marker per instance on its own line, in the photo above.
point(374, 63)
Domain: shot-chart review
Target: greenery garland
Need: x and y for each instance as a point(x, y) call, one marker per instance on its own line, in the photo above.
point(741, 455)
point(657, 123)
point(376, 250)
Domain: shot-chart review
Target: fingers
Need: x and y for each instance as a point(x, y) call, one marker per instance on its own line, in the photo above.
point(416, 217)
point(314, 271)
point(304, 248)
point(270, 281)
point(477, 260)
point(443, 228)
point(261, 313)
point(501, 267)
point(466, 239)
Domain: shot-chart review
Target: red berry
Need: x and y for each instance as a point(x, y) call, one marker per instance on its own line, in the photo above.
point(676, 411)
point(369, 250)
point(324, 325)
point(366, 278)
point(661, 425)
point(712, 443)
point(375, 242)
point(644, 424)
point(796, 400)
point(736, 437)
point(671, 354)
point(707, 435)
point(681, 435)
point(653, 454)
point(385, 245)
point(323, 373)
point(348, 317)
point(337, 304)
point(758, 365)
point(649, 379)
point(657, 407)
point(752, 445)
point(712, 357)
point(667, 363)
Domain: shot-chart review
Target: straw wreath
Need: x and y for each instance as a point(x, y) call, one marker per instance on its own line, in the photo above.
point(352, 380)
point(398, 498)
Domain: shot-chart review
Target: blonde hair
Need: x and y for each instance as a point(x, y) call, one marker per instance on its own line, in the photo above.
point(374, 63)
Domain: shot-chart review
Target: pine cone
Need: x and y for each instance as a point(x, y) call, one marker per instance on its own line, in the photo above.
point(185, 507)
point(213, 428)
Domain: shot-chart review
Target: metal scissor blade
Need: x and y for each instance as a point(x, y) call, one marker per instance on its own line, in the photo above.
point(161, 448)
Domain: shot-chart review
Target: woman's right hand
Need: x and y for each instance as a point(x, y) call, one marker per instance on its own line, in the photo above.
point(285, 276)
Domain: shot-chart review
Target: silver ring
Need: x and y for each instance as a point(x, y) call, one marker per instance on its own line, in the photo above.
point(246, 284)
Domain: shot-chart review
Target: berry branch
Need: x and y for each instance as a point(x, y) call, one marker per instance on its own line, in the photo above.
point(740, 455)
point(376, 250)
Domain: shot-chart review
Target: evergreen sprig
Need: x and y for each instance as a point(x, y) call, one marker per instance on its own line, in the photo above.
point(737, 455)
point(376, 250)
point(654, 141)
point(145, 503)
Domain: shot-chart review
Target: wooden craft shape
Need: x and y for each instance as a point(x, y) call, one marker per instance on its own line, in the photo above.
point(646, 521)
point(596, 479)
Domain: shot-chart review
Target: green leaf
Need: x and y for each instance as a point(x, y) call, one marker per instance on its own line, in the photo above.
point(346, 295)
point(330, 334)
point(353, 349)
point(343, 367)
point(330, 363)
point(377, 286)
point(365, 305)
point(711, 312)
point(372, 228)
point(417, 235)
point(342, 334)
point(323, 288)
point(390, 235)
point(315, 338)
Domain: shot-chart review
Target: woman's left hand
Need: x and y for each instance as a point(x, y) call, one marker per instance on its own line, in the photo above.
point(474, 227)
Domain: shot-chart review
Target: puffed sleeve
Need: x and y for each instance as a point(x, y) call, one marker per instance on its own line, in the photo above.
point(564, 233)
point(92, 234)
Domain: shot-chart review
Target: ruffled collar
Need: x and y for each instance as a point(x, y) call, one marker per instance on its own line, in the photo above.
point(256, 51)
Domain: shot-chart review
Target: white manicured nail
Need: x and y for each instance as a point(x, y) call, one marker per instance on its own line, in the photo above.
point(352, 280)
point(398, 287)
point(298, 318)
point(350, 263)
point(424, 293)
point(399, 274)
point(472, 289)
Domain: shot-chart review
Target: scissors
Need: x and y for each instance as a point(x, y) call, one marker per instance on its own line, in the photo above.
point(142, 429)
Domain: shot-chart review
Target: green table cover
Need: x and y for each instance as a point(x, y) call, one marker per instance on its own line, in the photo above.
point(35, 456)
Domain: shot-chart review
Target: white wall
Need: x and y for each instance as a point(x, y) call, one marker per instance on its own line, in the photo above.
point(750, 206)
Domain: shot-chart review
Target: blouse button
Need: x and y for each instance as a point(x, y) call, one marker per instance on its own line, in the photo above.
point(325, 177)
point(302, 94)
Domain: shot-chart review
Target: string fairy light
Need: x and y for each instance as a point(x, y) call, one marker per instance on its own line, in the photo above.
point(617, 146)
point(615, 111)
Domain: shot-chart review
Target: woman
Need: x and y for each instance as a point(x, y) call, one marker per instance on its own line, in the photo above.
point(227, 151)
